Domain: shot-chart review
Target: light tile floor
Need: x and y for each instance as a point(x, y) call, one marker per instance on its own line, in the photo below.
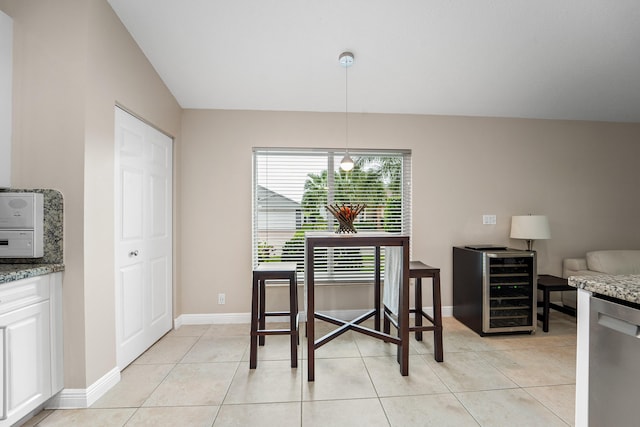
point(199, 376)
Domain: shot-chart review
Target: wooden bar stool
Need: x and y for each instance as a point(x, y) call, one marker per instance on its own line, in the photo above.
point(273, 271)
point(417, 271)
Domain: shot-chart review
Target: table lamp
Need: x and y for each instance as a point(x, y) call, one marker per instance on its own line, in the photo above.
point(530, 228)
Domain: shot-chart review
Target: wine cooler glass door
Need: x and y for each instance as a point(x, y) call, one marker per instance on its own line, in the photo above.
point(509, 293)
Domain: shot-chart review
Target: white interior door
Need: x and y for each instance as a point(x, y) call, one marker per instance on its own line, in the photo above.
point(143, 236)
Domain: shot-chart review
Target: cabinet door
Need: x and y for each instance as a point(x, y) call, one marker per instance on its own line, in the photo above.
point(26, 359)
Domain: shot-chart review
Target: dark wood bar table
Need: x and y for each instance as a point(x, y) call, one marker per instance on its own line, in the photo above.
point(376, 240)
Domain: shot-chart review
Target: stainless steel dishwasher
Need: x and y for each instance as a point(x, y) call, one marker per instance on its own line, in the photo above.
point(614, 363)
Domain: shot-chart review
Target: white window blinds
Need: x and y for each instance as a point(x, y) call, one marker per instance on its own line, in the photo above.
point(292, 187)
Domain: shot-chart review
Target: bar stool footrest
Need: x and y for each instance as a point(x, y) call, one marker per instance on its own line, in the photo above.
point(277, 313)
point(275, 332)
point(394, 322)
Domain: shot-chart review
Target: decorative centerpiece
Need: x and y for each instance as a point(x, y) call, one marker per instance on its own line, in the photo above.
point(345, 214)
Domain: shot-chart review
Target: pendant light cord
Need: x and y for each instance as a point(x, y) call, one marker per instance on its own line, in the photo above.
point(346, 108)
point(267, 251)
point(346, 59)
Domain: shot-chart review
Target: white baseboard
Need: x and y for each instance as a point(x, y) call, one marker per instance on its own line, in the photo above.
point(211, 319)
point(71, 398)
point(228, 318)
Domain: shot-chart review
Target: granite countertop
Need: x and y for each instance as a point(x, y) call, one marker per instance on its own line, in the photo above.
point(623, 287)
point(12, 272)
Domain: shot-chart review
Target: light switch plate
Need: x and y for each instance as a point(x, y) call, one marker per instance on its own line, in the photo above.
point(489, 219)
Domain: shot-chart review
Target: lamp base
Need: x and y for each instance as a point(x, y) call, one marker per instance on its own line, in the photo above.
point(529, 245)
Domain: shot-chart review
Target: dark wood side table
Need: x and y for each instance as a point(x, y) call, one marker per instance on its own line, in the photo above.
point(547, 284)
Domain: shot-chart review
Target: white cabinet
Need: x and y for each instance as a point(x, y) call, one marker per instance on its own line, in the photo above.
point(27, 355)
point(30, 348)
point(6, 71)
point(57, 359)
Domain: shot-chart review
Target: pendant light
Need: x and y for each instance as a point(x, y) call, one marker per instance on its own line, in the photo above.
point(346, 60)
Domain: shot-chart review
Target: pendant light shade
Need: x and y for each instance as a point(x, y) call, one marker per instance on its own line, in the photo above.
point(347, 163)
point(346, 60)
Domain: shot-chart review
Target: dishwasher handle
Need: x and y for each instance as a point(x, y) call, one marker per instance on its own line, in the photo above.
point(619, 325)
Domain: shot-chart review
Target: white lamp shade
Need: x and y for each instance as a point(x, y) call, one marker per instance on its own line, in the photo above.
point(530, 227)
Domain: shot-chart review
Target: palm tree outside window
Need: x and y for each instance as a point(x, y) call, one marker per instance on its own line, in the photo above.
point(292, 188)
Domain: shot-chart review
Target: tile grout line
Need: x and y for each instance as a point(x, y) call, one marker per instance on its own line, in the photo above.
point(542, 403)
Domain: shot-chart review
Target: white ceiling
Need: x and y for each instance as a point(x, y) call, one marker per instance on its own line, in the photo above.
point(560, 59)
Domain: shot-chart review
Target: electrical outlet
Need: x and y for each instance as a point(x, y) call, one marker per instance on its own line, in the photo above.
point(221, 298)
point(489, 219)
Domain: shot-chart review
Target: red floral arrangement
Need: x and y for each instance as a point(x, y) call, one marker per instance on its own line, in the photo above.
point(345, 214)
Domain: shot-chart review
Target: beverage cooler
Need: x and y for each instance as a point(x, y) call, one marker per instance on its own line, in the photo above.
point(494, 289)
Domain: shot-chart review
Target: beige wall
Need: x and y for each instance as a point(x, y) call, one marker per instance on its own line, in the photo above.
point(73, 61)
point(581, 174)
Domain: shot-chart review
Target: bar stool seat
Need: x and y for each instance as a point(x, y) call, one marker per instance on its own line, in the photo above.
point(262, 273)
point(417, 271)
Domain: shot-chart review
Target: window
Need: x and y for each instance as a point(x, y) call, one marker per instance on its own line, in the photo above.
point(292, 187)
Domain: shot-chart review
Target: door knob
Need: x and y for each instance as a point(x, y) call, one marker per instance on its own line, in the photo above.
point(133, 253)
